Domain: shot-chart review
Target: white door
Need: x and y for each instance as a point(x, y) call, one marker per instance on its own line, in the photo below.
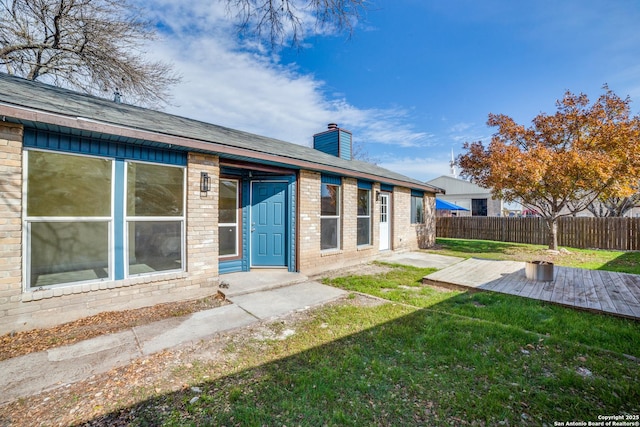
point(385, 230)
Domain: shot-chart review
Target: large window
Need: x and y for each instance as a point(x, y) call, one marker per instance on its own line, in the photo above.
point(228, 218)
point(330, 217)
point(94, 218)
point(155, 217)
point(68, 218)
point(364, 216)
point(417, 210)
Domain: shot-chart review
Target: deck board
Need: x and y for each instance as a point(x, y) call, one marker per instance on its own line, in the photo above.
point(589, 292)
point(595, 290)
point(601, 291)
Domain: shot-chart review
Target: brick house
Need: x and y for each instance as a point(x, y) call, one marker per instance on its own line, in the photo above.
point(107, 206)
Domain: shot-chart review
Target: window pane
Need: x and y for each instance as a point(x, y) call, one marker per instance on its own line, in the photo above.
point(329, 233)
point(155, 246)
point(363, 202)
point(154, 190)
point(228, 205)
point(66, 185)
point(66, 252)
point(329, 195)
point(228, 240)
point(417, 210)
point(363, 231)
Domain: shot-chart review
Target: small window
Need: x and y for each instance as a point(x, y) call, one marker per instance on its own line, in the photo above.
point(479, 207)
point(330, 217)
point(417, 210)
point(364, 216)
point(228, 217)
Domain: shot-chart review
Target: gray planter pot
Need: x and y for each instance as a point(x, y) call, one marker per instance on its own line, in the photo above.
point(541, 271)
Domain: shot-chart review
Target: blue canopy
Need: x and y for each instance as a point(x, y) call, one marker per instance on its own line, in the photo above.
point(448, 206)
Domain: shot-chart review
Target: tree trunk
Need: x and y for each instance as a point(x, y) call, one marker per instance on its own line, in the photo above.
point(552, 226)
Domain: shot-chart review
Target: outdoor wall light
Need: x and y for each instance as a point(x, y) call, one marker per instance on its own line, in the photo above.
point(205, 182)
point(377, 196)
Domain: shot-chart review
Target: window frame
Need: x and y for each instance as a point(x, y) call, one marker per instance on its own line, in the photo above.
point(368, 216)
point(29, 220)
point(414, 210)
point(118, 222)
point(129, 219)
point(336, 217)
point(237, 224)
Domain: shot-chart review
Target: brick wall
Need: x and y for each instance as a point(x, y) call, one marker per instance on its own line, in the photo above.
point(23, 310)
point(202, 220)
point(426, 232)
point(311, 260)
point(10, 220)
point(407, 236)
point(404, 233)
point(308, 220)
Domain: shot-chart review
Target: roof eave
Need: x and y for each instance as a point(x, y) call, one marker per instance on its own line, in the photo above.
point(92, 125)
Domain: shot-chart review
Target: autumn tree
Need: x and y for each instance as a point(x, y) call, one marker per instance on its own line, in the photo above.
point(563, 162)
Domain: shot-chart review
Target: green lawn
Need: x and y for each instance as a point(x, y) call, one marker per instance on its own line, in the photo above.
point(593, 259)
point(426, 357)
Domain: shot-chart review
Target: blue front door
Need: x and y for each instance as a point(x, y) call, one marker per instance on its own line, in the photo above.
point(268, 224)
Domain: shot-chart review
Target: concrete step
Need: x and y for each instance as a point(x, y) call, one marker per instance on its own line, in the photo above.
point(257, 280)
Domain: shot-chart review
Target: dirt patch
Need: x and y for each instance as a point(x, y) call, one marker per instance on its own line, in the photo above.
point(21, 343)
point(356, 270)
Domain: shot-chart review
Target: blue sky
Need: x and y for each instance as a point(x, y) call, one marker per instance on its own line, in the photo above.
point(416, 79)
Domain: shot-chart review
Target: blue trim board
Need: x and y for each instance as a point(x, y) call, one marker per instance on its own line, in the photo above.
point(417, 193)
point(365, 185)
point(230, 266)
point(386, 187)
point(97, 147)
point(246, 223)
point(118, 222)
point(292, 224)
point(331, 179)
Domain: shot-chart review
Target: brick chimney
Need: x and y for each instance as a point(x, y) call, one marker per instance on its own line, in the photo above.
point(334, 141)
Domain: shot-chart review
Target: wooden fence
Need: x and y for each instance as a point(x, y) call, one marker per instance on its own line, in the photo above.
point(601, 233)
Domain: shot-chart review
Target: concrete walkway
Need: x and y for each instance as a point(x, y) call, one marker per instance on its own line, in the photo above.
point(36, 372)
point(259, 295)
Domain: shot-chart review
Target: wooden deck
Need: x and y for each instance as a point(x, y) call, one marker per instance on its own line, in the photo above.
point(603, 291)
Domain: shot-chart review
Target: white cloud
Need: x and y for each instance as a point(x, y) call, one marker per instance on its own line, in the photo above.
point(460, 127)
point(243, 87)
point(468, 132)
point(245, 91)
